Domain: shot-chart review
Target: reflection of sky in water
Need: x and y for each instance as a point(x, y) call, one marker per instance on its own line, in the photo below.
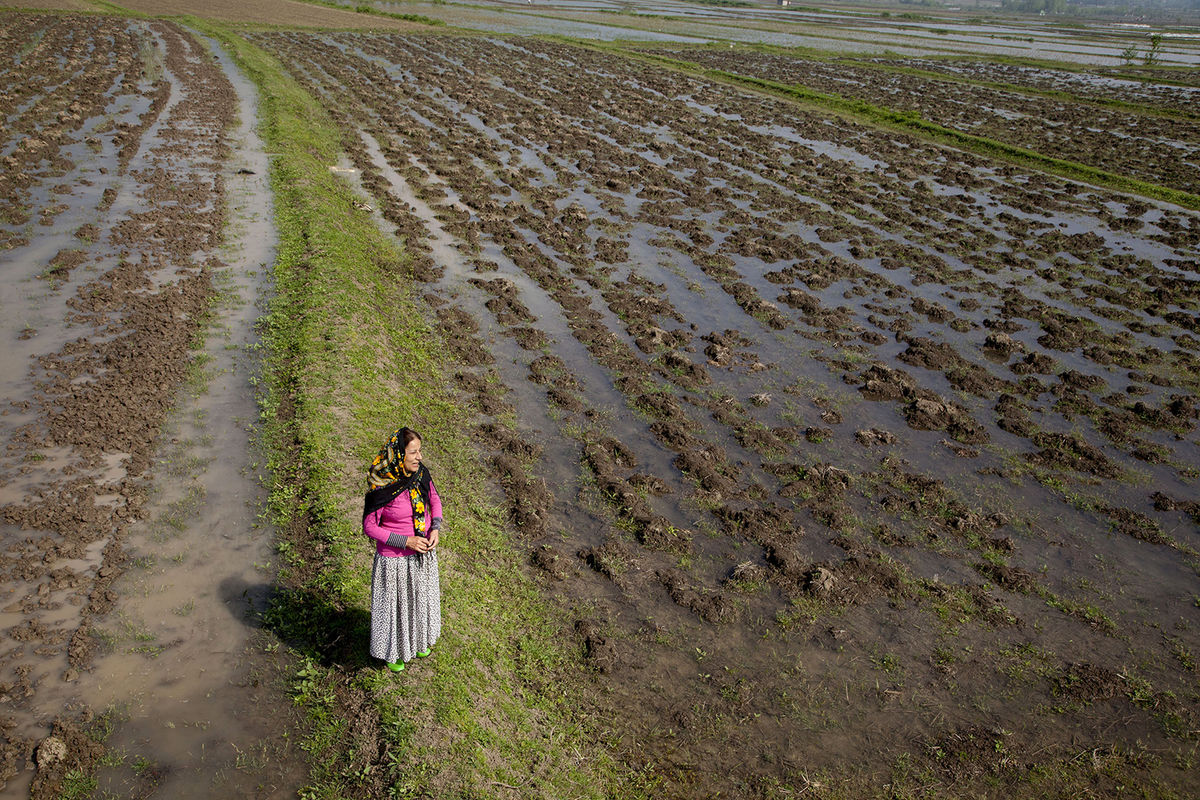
point(1069, 81)
point(856, 32)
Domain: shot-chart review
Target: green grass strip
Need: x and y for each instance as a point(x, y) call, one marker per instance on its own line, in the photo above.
point(351, 356)
point(1031, 91)
point(910, 122)
point(365, 8)
point(104, 7)
point(864, 62)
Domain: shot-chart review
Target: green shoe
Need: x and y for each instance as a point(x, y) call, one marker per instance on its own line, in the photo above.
point(423, 653)
point(397, 667)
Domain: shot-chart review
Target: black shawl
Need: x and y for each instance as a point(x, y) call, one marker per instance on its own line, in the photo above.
point(379, 497)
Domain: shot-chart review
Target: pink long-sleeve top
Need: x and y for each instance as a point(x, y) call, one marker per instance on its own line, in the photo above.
point(396, 520)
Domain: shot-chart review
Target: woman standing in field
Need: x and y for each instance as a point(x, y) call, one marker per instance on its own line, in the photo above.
point(403, 514)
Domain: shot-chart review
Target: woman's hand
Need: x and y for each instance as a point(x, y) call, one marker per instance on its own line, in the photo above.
point(419, 543)
point(433, 538)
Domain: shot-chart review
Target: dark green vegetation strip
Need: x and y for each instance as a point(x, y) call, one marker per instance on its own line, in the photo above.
point(870, 62)
point(105, 7)
point(351, 356)
point(1052, 94)
point(913, 123)
point(364, 8)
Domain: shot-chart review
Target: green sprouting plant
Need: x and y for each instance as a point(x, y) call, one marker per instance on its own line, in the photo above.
point(77, 783)
point(888, 663)
point(1153, 55)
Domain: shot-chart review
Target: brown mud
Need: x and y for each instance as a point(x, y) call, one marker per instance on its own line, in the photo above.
point(116, 483)
point(840, 446)
point(294, 13)
point(1154, 137)
point(1171, 89)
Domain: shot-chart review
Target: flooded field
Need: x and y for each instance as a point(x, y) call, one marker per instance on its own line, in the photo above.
point(130, 563)
point(927, 31)
point(859, 464)
point(1151, 136)
point(844, 448)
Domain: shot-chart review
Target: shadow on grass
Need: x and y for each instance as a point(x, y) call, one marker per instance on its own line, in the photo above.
point(312, 626)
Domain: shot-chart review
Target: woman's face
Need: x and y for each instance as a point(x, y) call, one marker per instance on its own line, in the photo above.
point(412, 455)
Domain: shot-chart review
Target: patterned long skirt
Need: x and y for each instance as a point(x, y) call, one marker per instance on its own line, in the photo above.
point(406, 606)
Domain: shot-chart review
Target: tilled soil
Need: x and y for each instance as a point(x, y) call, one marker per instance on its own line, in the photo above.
point(1139, 85)
point(1154, 138)
point(860, 452)
point(114, 195)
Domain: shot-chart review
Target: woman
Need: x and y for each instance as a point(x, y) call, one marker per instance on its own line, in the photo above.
point(403, 514)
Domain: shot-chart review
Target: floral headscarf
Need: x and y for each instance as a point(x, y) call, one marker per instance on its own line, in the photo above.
point(387, 480)
point(388, 466)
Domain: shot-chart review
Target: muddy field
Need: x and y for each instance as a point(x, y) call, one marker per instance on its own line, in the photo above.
point(116, 209)
point(853, 457)
point(1154, 137)
point(844, 448)
point(1177, 93)
point(963, 33)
